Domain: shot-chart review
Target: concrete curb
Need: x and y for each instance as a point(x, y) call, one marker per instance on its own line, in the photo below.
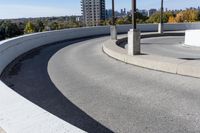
point(154, 62)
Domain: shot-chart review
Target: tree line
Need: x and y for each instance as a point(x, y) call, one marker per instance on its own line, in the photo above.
point(190, 15)
point(12, 28)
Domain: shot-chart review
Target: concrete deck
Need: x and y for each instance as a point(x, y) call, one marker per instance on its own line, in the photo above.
point(18, 115)
point(89, 90)
point(158, 62)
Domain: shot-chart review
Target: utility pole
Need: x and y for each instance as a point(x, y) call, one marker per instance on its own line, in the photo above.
point(134, 11)
point(113, 12)
point(113, 28)
point(161, 24)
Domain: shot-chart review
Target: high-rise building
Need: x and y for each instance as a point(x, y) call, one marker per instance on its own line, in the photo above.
point(93, 11)
point(151, 12)
point(108, 13)
point(143, 12)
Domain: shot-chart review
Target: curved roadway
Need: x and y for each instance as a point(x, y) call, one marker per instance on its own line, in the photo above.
point(170, 46)
point(99, 94)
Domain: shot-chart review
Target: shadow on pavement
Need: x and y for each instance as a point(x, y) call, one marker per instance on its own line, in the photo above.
point(28, 76)
point(190, 58)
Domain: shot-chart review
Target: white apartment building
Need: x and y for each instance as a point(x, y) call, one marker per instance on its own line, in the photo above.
point(93, 11)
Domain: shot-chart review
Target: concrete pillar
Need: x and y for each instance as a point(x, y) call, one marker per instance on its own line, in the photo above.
point(134, 42)
point(113, 32)
point(160, 28)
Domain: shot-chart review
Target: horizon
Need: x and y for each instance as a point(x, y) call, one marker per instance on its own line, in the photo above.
point(15, 9)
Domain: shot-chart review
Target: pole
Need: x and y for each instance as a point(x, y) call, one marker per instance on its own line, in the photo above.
point(134, 34)
point(113, 12)
point(161, 12)
point(161, 24)
point(113, 28)
point(134, 11)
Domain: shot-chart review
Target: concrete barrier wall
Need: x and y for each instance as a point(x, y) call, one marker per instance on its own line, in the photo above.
point(142, 27)
point(12, 48)
point(183, 26)
point(154, 27)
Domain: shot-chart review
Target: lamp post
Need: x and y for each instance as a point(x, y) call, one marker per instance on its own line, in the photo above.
point(161, 25)
point(134, 14)
point(113, 12)
point(134, 34)
point(113, 28)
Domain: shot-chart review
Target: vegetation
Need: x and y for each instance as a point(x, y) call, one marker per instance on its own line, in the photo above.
point(188, 16)
point(16, 27)
point(182, 16)
point(9, 29)
point(29, 28)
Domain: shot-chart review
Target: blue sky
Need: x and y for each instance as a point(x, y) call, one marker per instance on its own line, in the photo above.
point(36, 8)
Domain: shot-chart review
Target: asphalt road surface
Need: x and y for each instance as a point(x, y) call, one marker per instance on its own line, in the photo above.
point(85, 87)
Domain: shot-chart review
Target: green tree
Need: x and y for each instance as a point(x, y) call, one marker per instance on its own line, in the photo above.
point(2, 33)
point(9, 29)
point(128, 19)
point(155, 18)
point(141, 18)
point(29, 28)
point(54, 26)
point(39, 26)
point(120, 21)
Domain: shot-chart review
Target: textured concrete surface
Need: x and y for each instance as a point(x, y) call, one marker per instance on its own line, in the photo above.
point(134, 47)
point(18, 115)
point(99, 94)
point(125, 98)
point(28, 76)
point(171, 46)
point(166, 54)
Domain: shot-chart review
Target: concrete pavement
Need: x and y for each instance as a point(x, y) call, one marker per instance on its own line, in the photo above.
point(167, 54)
point(100, 94)
point(28, 76)
point(123, 97)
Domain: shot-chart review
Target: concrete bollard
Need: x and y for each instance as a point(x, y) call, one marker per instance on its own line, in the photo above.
point(134, 42)
point(160, 28)
point(113, 32)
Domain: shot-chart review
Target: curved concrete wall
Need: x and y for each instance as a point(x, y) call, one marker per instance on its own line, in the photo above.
point(12, 48)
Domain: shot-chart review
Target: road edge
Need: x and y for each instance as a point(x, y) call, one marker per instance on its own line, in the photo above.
point(155, 62)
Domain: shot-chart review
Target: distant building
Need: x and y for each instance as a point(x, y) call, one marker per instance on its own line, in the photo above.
point(143, 12)
point(108, 13)
point(123, 12)
point(93, 11)
point(78, 18)
point(151, 12)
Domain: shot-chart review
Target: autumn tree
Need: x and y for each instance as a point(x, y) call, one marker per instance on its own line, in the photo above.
point(29, 28)
point(179, 17)
point(155, 18)
point(172, 19)
point(187, 16)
